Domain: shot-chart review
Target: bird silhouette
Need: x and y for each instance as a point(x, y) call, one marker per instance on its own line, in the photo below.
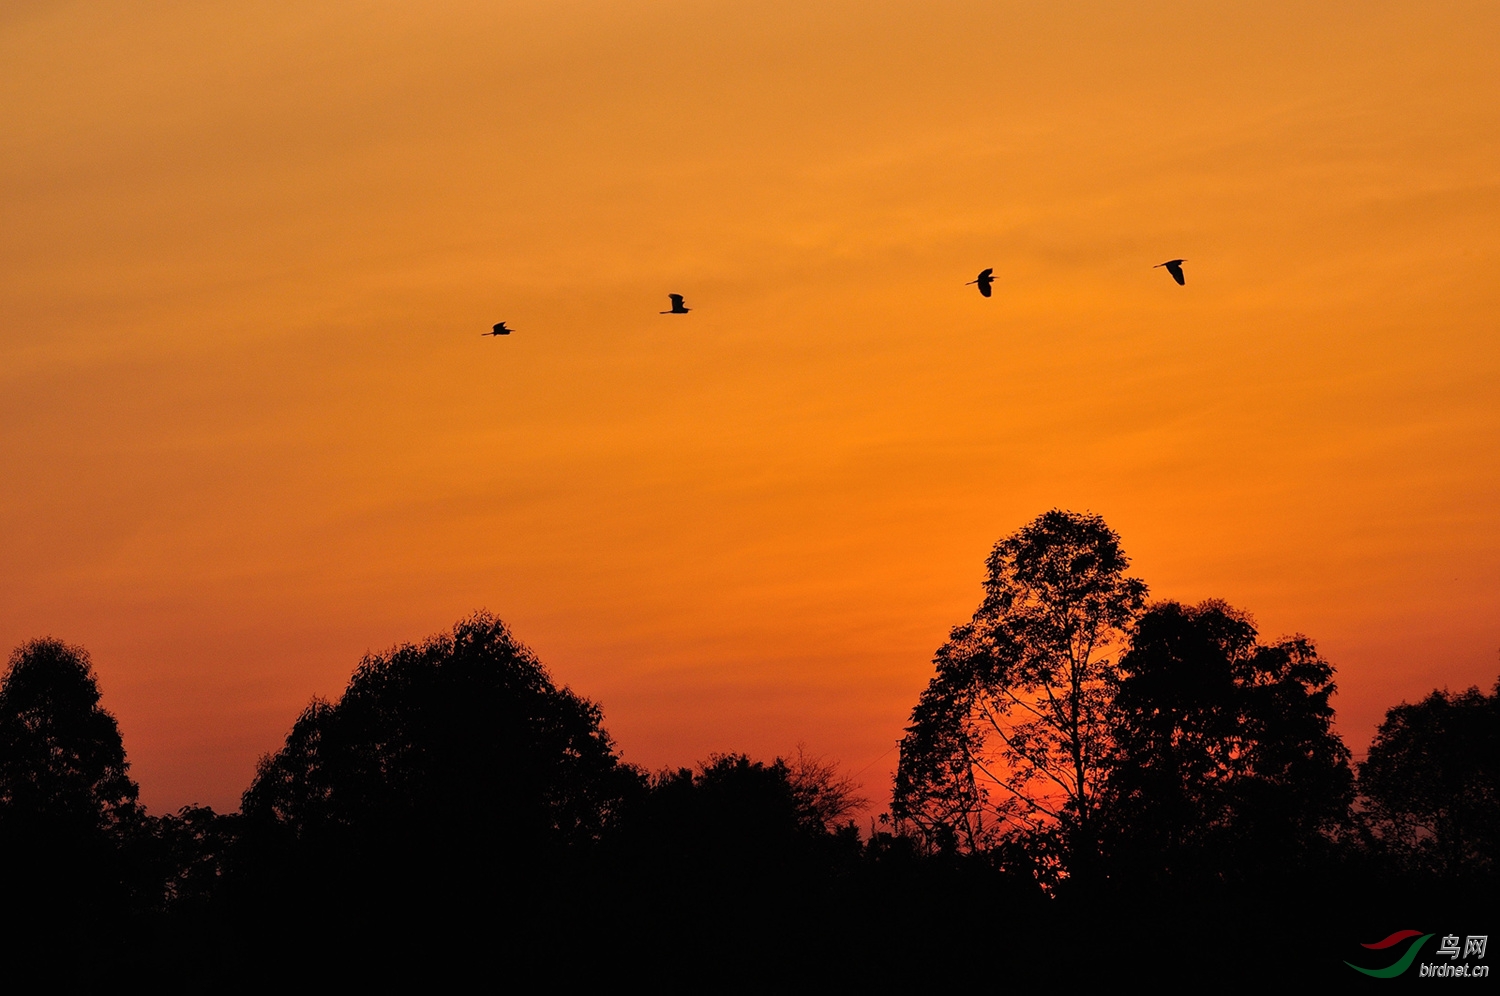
point(985, 278)
point(499, 329)
point(1174, 267)
point(678, 308)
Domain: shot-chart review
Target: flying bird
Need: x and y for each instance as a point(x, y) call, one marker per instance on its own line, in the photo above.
point(498, 330)
point(1174, 267)
point(678, 308)
point(985, 278)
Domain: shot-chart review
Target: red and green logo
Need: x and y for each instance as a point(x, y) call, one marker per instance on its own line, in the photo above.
point(1400, 964)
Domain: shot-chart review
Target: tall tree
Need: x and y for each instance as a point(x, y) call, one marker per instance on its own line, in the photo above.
point(1225, 758)
point(61, 757)
point(66, 797)
point(1010, 738)
point(1431, 783)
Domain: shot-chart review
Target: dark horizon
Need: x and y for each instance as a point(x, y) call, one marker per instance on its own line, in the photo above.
point(1079, 750)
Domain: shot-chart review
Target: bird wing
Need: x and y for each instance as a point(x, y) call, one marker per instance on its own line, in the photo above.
point(986, 274)
point(984, 288)
point(676, 300)
point(1175, 269)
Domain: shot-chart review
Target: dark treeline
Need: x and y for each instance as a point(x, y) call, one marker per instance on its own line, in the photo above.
point(1092, 784)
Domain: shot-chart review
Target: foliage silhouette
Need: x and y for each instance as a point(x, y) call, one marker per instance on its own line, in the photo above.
point(1225, 760)
point(1431, 784)
point(741, 863)
point(447, 767)
point(62, 762)
point(1010, 739)
point(455, 809)
point(190, 851)
point(741, 818)
point(66, 797)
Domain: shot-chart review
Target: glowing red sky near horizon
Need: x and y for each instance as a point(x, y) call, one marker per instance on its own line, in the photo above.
point(250, 431)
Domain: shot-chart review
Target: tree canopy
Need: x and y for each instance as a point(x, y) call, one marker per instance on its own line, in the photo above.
point(62, 762)
point(1010, 738)
point(1431, 783)
point(1225, 759)
point(66, 796)
point(460, 749)
point(736, 812)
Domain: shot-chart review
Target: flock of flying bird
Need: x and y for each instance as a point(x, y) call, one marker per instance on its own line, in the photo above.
point(984, 282)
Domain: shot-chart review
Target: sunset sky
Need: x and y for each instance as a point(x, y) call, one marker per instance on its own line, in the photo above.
point(249, 430)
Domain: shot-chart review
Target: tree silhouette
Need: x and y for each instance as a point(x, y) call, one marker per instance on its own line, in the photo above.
point(1010, 738)
point(61, 757)
point(1431, 784)
point(1225, 760)
point(66, 798)
point(443, 765)
point(738, 862)
point(824, 794)
point(189, 849)
point(741, 817)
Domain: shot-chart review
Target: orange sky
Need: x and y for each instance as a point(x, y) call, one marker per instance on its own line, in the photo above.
point(249, 430)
